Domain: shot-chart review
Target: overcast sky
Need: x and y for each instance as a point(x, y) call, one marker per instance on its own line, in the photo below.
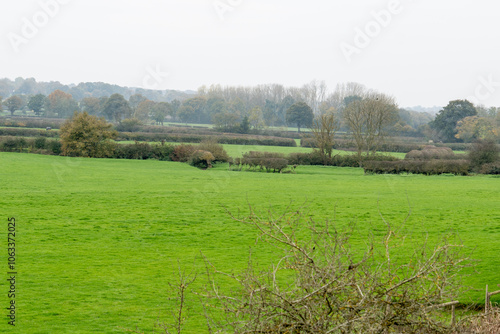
point(423, 52)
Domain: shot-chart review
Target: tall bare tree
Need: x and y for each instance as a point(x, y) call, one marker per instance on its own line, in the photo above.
point(323, 129)
point(368, 117)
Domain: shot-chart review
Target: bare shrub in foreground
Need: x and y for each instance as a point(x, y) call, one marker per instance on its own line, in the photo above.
point(320, 285)
point(483, 324)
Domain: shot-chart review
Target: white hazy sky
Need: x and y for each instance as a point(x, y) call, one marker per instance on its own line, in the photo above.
point(423, 52)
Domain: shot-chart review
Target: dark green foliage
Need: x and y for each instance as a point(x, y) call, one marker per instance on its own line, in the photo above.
point(194, 110)
point(483, 152)
point(300, 114)
point(36, 103)
point(446, 120)
point(160, 111)
point(244, 125)
point(456, 146)
point(129, 125)
point(143, 151)
point(491, 168)
point(40, 142)
point(426, 167)
point(12, 144)
point(40, 145)
point(163, 152)
point(54, 146)
point(13, 103)
point(116, 108)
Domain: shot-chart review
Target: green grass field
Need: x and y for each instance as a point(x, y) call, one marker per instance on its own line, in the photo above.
point(98, 240)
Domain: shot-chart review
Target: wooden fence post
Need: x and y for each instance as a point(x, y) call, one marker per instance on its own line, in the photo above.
point(486, 300)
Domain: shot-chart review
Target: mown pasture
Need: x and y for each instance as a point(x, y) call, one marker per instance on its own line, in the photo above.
point(98, 239)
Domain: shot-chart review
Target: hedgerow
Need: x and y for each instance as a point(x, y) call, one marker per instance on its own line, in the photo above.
point(143, 151)
point(431, 152)
point(31, 122)
point(398, 145)
point(426, 167)
point(491, 168)
point(198, 138)
point(349, 160)
point(39, 145)
point(24, 132)
point(265, 161)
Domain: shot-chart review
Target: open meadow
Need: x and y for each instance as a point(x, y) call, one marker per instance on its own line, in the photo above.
point(98, 239)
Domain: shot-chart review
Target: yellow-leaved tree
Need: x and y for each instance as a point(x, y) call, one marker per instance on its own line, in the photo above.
point(87, 136)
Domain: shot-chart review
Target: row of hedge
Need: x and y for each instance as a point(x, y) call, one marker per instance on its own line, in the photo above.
point(346, 144)
point(194, 138)
point(348, 160)
point(42, 145)
point(393, 146)
point(31, 122)
point(184, 152)
point(426, 167)
point(131, 126)
point(267, 161)
point(141, 151)
point(172, 137)
point(128, 126)
point(276, 162)
point(490, 168)
point(39, 145)
point(24, 132)
point(430, 152)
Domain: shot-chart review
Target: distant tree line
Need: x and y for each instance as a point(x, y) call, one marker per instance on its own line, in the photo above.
point(354, 108)
point(29, 87)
